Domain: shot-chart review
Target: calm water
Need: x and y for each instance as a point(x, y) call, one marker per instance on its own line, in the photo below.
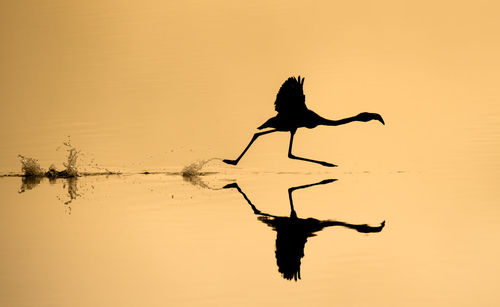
point(154, 87)
point(159, 239)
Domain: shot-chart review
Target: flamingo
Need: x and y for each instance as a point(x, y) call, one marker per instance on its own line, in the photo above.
point(293, 114)
point(292, 232)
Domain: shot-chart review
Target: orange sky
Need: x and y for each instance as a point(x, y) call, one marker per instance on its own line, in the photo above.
point(152, 75)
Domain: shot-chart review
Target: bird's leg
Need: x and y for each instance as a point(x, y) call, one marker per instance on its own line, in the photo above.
point(255, 136)
point(254, 209)
point(293, 214)
point(291, 156)
point(290, 190)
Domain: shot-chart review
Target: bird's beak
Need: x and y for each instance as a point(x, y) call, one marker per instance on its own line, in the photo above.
point(380, 119)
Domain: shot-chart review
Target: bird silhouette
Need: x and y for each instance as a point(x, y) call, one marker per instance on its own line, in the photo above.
point(293, 114)
point(292, 231)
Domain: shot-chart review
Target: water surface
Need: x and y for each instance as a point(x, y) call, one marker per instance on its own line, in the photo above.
point(144, 89)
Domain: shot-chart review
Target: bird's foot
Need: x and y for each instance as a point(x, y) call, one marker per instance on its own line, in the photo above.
point(257, 211)
point(232, 162)
point(327, 181)
point(328, 164)
point(230, 185)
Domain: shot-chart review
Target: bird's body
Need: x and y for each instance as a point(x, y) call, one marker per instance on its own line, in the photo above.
point(288, 122)
point(291, 107)
point(293, 114)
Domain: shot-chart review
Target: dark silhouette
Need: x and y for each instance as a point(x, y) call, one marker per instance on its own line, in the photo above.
point(293, 114)
point(292, 232)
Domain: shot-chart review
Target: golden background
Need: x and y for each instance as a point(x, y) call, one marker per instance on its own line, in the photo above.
point(156, 85)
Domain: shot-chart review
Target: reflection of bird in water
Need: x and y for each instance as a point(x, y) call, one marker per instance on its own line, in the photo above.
point(293, 114)
point(292, 232)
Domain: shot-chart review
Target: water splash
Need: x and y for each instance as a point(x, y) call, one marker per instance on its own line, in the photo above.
point(72, 190)
point(30, 167)
point(70, 164)
point(29, 183)
point(197, 181)
point(192, 172)
point(194, 169)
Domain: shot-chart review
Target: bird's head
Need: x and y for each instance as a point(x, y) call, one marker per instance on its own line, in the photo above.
point(366, 116)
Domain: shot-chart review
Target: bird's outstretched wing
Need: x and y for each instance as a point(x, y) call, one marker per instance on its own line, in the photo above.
point(290, 97)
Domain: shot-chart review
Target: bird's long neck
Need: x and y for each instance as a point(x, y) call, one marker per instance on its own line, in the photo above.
point(329, 122)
